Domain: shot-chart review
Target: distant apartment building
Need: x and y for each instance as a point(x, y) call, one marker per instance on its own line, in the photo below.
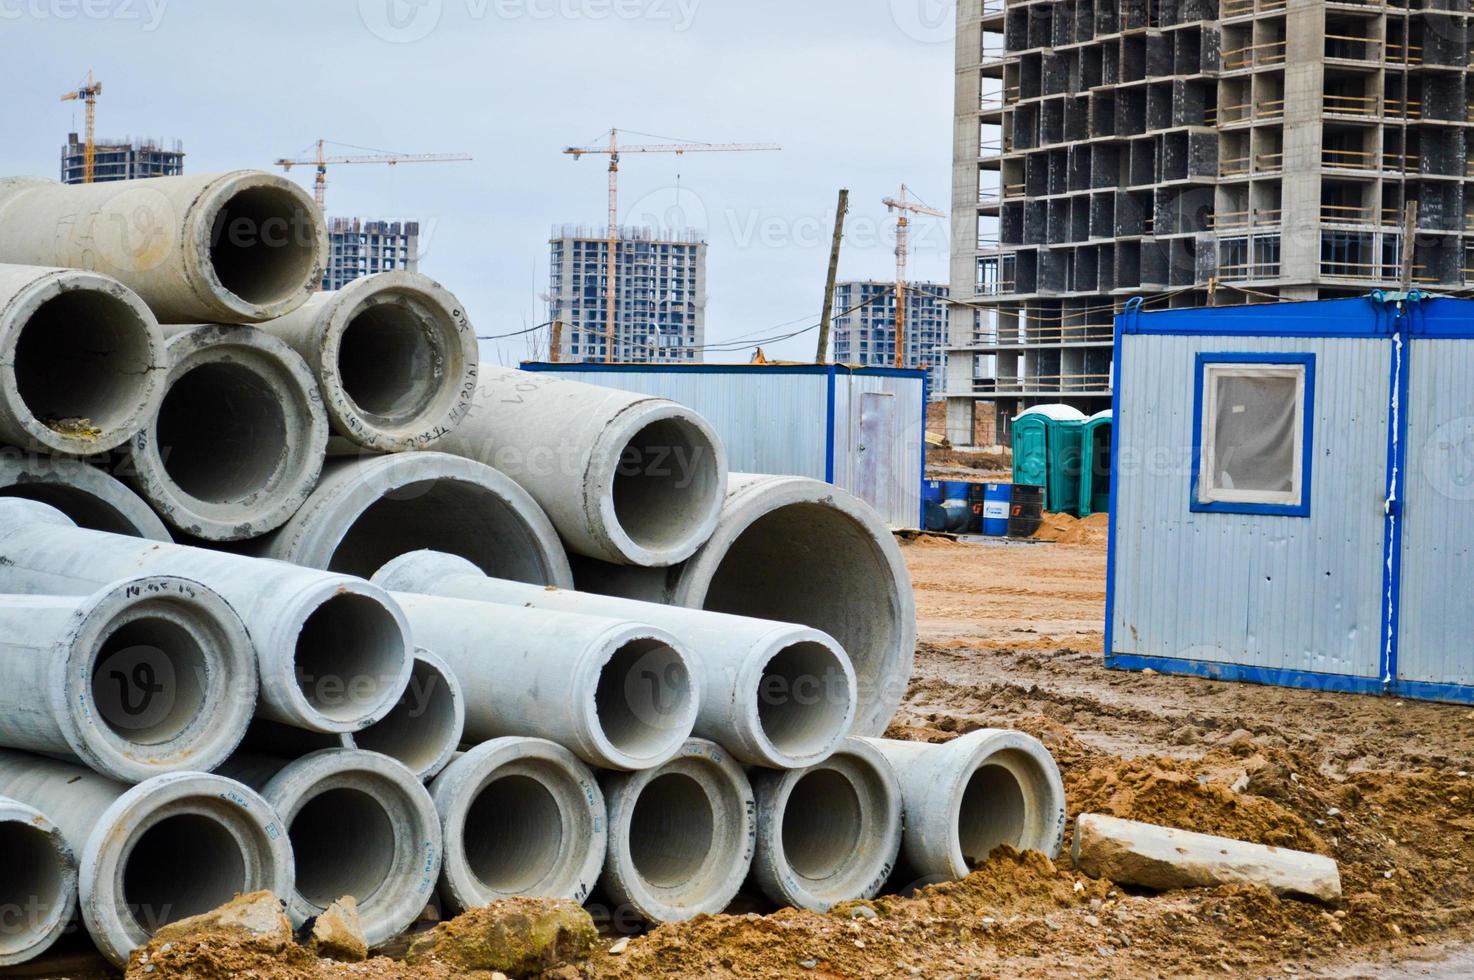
point(660, 306)
point(125, 159)
point(359, 248)
point(865, 327)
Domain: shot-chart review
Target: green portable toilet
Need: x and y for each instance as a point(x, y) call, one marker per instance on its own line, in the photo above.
point(1095, 464)
point(1047, 443)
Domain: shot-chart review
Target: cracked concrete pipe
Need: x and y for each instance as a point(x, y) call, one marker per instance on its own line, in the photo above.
point(333, 652)
point(237, 247)
point(360, 824)
point(625, 478)
point(395, 355)
point(240, 438)
point(367, 511)
point(151, 674)
point(86, 494)
point(966, 797)
point(829, 833)
point(81, 359)
point(171, 847)
point(38, 890)
point(618, 694)
point(774, 694)
point(796, 550)
point(681, 836)
point(520, 817)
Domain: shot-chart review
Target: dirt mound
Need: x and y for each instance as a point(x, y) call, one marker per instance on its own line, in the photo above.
point(1067, 529)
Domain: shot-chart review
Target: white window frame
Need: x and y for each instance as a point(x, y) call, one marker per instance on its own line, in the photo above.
point(1210, 494)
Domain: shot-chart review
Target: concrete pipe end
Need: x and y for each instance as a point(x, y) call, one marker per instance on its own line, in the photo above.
point(520, 817)
point(829, 833)
point(418, 571)
point(424, 728)
point(802, 700)
point(681, 836)
point(360, 824)
point(641, 693)
point(39, 892)
point(86, 494)
point(239, 439)
point(227, 835)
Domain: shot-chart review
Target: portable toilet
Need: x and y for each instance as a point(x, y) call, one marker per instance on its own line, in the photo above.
point(1095, 464)
point(1046, 453)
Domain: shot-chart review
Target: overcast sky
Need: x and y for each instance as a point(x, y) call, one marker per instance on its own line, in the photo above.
point(857, 92)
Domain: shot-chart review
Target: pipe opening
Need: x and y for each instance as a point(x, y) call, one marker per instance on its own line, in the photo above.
point(666, 479)
point(420, 725)
point(183, 865)
point(671, 830)
point(30, 888)
point(263, 245)
point(992, 813)
point(81, 362)
point(389, 361)
point(348, 651)
point(221, 433)
point(149, 680)
point(343, 841)
point(804, 699)
point(822, 821)
point(513, 836)
point(643, 699)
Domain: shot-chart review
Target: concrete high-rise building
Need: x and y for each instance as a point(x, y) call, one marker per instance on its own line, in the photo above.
point(1190, 152)
point(867, 335)
point(125, 159)
point(358, 248)
point(660, 308)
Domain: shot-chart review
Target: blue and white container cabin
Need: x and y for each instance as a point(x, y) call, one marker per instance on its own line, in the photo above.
point(1293, 495)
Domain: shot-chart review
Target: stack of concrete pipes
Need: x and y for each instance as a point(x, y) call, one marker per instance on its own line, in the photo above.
point(299, 596)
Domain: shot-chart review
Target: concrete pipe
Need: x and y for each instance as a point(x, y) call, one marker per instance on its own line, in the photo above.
point(238, 247)
point(360, 824)
point(829, 833)
point(681, 836)
point(425, 727)
point(81, 359)
point(38, 890)
point(239, 440)
point(773, 694)
point(625, 478)
point(395, 355)
point(368, 511)
point(86, 494)
point(798, 551)
point(333, 652)
point(149, 675)
point(171, 847)
point(520, 816)
point(966, 797)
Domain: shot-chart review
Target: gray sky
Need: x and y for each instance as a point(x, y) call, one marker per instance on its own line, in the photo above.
point(858, 93)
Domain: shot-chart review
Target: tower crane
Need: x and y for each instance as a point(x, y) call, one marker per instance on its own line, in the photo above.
point(321, 161)
point(88, 94)
point(614, 150)
point(903, 233)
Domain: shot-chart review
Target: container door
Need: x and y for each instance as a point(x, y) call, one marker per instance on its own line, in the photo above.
point(1030, 454)
point(876, 483)
point(1067, 440)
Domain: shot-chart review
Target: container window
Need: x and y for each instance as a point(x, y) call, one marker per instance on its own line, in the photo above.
point(1253, 434)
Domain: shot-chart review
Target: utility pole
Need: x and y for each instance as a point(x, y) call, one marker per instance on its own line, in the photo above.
point(822, 357)
point(556, 348)
point(1409, 233)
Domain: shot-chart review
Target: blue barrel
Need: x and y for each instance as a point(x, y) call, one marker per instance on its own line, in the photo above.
point(932, 491)
point(956, 490)
point(996, 500)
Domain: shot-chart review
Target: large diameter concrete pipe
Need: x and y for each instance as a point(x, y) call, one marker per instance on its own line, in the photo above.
point(829, 833)
point(625, 478)
point(774, 694)
point(620, 694)
point(367, 511)
point(425, 727)
point(333, 652)
point(360, 824)
point(238, 247)
point(149, 675)
point(38, 888)
point(81, 359)
point(968, 796)
point(240, 438)
point(681, 837)
point(89, 496)
point(797, 550)
point(171, 847)
point(520, 817)
point(396, 357)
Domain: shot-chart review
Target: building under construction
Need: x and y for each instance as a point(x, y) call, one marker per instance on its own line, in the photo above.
point(125, 159)
point(1190, 152)
point(361, 248)
point(865, 327)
